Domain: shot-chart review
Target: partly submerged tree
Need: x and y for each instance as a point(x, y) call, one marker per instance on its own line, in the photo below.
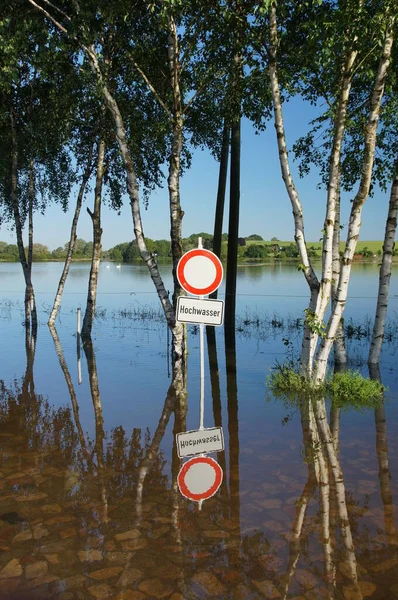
point(334, 54)
point(34, 165)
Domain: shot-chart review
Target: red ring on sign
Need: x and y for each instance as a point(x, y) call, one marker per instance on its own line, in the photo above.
point(212, 490)
point(181, 276)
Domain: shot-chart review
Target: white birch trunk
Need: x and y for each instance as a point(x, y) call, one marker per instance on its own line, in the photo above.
point(385, 273)
point(334, 182)
point(29, 292)
point(308, 347)
point(356, 211)
point(132, 186)
point(176, 214)
point(340, 354)
point(97, 235)
point(72, 239)
point(132, 189)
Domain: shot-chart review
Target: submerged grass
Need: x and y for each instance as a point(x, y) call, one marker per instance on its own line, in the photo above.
point(346, 389)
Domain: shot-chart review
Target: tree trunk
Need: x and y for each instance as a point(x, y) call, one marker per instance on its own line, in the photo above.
point(97, 235)
point(356, 210)
point(222, 184)
point(30, 300)
point(309, 339)
point(176, 214)
point(73, 236)
point(29, 292)
point(385, 273)
point(340, 353)
point(132, 190)
point(233, 226)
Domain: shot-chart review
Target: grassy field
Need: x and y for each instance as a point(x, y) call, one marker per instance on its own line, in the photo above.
point(374, 246)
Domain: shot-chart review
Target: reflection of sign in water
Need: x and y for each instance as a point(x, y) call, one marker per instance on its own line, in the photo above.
point(199, 478)
point(199, 272)
point(193, 310)
point(200, 441)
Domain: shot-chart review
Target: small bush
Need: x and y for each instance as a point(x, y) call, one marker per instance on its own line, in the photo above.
point(351, 389)
point(347, 389)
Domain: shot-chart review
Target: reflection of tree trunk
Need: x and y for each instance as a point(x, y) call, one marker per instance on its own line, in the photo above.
point(326, 438)
point(69, 383)
point(385, 273)
point(384, 471)
point(222, 184)
point(308, 492)
point(233, 423)
point(216, 395)
point(73, 236)
point(169, 406)
point(99, 423)
point(97, 235)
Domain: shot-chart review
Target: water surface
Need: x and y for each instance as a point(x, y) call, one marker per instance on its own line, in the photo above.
point(89, 506)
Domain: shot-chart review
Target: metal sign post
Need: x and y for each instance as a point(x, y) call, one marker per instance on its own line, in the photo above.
point(200, 272)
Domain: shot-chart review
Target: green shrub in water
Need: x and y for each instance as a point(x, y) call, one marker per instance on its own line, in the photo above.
point(351, 389)
point(347, 389)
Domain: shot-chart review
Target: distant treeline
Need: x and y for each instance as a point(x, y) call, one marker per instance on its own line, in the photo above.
point(252, 247)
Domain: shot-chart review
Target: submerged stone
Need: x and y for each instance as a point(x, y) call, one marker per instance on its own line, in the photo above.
point(268, 589)
point(210, 583)
point(12, 569)
point(155, 588)
point(105, 573)
point(100, 591)
point(36, 569)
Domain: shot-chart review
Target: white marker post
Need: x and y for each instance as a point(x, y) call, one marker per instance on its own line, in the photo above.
point(202, 363)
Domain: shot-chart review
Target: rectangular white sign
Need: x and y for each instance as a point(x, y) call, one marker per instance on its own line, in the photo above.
point(195, 310)
point(200, 441)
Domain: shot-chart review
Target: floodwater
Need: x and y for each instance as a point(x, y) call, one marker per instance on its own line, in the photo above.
point(89, 505)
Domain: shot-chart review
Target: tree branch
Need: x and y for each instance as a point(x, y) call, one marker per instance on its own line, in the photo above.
point(153, 90)
point(54, 21)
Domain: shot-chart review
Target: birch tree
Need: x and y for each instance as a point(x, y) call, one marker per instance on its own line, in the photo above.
point(77, 27)
point(334, 58)
point(34, 166)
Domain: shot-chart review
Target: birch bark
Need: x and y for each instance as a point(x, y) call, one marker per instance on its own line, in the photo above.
point(385, 273)
point(29, 292)
point(356, 210)
point(176, 213)
point(309, 340)
point(97, 235)
point(73, 236)
point(132, 186)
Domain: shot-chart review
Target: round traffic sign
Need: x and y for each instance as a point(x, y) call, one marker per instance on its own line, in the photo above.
point(199, 272)
point(199, 478)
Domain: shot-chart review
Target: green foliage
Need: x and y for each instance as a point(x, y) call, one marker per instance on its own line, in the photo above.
point(285, 382)
point(313, 323)
point(351, 389)
point(346, 389)
point(255, 251)
point(255, 237)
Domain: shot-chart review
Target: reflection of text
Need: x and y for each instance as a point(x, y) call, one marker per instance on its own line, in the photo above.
point(200, 441)
point(215, 438)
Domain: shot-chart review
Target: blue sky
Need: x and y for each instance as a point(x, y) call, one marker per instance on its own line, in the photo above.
point(265, 207)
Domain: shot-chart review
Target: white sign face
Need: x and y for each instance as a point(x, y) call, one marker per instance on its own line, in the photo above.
point(200, 441)
point(193, 310)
